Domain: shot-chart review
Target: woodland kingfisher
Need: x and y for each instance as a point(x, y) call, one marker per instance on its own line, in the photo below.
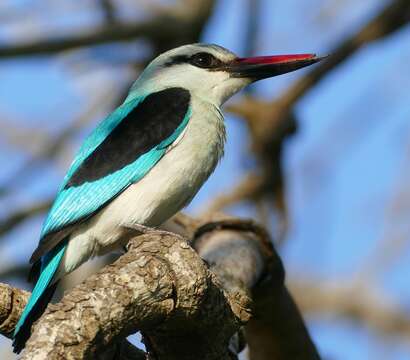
point(145, 161)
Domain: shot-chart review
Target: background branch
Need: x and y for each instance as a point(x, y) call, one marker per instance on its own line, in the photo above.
point(272, 122)
point(164, 30)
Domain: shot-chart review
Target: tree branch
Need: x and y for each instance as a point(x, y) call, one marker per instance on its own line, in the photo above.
point(164, 29)
point(21, 215)
point(12, 303)
point(162, 288)
point(272, 122)
point(357, 302)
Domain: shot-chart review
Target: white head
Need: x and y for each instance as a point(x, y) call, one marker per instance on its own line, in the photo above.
point(212, 72)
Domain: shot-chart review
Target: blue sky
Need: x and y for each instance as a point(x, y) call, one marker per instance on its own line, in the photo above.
point(343, 168)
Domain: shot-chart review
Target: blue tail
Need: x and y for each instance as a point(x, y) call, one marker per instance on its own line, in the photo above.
point(41, 295)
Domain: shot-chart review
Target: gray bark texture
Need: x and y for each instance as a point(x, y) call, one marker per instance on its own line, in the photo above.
point(202, 292)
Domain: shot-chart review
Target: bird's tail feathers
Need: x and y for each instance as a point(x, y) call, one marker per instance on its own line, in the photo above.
point(21, 336)
point(35, 272)
point(40, 297)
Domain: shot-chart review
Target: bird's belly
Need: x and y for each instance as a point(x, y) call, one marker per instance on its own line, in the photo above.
point(165, 190)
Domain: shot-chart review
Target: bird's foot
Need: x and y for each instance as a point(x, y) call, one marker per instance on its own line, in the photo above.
point(144, 230)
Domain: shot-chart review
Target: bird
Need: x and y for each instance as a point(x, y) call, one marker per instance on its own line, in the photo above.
point(145, 161)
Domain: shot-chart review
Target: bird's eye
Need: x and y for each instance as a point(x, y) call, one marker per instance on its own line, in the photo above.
point(204, 60)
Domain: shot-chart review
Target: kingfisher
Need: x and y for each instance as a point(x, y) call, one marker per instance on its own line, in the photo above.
point(145, 161)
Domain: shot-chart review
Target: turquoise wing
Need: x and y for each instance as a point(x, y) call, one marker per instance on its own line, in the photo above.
point(89, 184)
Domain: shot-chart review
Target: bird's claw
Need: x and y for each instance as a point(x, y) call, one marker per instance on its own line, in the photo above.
point(144, 230)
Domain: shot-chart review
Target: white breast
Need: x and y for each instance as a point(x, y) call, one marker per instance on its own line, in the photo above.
point(177, 177)
point(167, 188)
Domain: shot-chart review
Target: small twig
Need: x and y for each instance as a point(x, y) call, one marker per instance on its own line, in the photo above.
point(108, 9)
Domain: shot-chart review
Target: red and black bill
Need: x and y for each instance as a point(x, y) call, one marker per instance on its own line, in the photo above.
point(261, 67)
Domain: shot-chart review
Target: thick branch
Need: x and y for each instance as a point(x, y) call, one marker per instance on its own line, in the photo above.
point(240, 253)
point(162, 288)
point(276, 329)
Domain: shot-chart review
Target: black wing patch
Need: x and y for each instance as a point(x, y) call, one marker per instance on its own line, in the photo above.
point(147, 125)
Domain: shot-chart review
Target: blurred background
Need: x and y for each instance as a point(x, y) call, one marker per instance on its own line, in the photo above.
point(321, 156)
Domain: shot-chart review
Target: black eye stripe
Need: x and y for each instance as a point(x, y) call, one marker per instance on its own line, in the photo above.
point(202, 60)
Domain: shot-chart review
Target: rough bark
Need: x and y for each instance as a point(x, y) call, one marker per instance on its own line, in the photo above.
point(12, 303)
point(188, 304)
point(240, 252)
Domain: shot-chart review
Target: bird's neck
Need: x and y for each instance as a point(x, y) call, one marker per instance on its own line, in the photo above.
point(207, 124)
